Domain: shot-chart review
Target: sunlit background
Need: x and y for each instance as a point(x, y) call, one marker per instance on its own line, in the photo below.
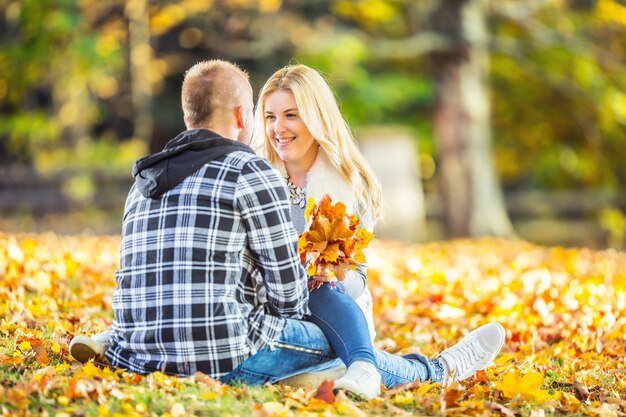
point(481, 117)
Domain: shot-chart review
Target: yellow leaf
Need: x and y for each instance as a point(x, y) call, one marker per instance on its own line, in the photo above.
point(208, 395)
point(363, 238)
point(331, 253)
point(91, 370)
point(527, 386)
point(340, 229)
point(359, 257)
point(310, 206)
point(24, 346)
point(60, 368)
point(103, 410)
point(320, 230)
point(403, 399)
point(346, 407)
point(56, 348)
point(302, 242)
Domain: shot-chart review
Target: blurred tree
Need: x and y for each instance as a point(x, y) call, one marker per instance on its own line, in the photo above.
point(469, 187)
point(542, 79)
point(140, 60)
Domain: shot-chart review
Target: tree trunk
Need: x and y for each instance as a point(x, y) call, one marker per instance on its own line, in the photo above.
point(470, 192)
point(140, 56)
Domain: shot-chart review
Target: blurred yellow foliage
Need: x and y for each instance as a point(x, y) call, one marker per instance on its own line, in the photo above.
point(564, 311)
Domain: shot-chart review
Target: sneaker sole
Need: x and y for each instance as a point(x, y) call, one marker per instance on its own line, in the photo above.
point(313, 379)
point(83, 349)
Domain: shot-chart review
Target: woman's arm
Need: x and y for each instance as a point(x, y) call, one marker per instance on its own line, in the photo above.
point(356, 281)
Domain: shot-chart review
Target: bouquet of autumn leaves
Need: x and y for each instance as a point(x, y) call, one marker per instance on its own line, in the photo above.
point(333, 243)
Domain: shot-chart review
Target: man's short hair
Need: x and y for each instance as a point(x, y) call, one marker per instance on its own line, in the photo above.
point(211, 89)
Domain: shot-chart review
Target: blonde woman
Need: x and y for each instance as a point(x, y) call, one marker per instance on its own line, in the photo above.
point(301, 132)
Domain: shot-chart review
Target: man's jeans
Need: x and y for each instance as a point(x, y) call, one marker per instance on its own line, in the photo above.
point(302, 347)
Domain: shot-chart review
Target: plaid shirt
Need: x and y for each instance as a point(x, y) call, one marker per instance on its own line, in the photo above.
point(209, 271)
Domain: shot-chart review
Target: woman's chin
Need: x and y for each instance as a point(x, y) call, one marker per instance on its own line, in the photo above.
point(284, 156)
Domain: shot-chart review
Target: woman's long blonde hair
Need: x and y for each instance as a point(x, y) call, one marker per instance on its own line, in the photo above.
point(319, 112)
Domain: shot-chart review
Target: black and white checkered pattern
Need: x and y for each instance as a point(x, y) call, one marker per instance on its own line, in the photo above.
point(208, 271)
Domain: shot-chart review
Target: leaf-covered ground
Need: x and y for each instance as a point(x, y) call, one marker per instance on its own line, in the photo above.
point(564, 311)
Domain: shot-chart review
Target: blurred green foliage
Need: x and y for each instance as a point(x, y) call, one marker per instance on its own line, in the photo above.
point(557, 78)
point(59, 61)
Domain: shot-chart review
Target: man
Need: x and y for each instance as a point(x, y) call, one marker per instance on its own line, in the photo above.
point(209, 276)
point(202, 215)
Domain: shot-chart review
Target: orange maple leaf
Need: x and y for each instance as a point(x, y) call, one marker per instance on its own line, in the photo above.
point(333, 244)
point(325, 392)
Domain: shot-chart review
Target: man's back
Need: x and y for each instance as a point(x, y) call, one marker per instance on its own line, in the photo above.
point(179, 306)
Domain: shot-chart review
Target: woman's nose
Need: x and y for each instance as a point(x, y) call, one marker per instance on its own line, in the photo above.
point(279, 126)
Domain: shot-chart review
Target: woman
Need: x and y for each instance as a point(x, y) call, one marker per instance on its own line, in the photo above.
point(299, 129)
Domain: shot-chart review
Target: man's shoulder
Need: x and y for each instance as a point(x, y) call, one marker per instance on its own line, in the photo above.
point(242, 158)
point(251, 163)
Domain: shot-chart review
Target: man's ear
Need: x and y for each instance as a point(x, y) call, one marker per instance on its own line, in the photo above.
point(186, 119)
point(240, 118)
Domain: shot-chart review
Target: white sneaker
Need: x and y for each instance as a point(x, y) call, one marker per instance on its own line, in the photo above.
point(84, 348)
point(314, 379)
point(473, 353)
point(361, 378)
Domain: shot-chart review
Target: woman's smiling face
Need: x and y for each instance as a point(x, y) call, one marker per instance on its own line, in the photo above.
point(286, 130)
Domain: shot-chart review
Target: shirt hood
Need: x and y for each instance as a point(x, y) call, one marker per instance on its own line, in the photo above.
point(182, 156)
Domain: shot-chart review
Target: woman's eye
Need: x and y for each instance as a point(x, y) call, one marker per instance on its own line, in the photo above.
point(269, 117)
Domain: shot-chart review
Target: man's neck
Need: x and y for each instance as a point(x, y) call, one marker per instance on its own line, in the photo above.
point(220, 130)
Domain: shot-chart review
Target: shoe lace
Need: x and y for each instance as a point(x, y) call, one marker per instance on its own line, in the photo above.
point(466, 355)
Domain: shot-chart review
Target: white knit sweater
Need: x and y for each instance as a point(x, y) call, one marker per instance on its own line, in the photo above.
point(323, 179)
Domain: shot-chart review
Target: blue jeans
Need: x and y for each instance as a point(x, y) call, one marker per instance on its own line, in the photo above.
point(302, 347)
point(342, 322)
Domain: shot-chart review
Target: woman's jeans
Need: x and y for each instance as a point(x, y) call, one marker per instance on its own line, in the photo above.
point(342, 322)
point(302, 347)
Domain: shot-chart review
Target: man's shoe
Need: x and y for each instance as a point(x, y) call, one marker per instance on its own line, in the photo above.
point(474, 352)
point(83, 348)
point(362, 378)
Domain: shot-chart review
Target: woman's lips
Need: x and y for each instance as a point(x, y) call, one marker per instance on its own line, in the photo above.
point(284, 141)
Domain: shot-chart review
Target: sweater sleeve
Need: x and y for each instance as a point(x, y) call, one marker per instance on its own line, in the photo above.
point(356, 281)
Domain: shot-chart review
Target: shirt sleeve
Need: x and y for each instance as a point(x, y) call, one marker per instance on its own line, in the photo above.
point(273, 242)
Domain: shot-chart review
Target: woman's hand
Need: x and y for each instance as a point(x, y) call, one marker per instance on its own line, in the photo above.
point(323, 278)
